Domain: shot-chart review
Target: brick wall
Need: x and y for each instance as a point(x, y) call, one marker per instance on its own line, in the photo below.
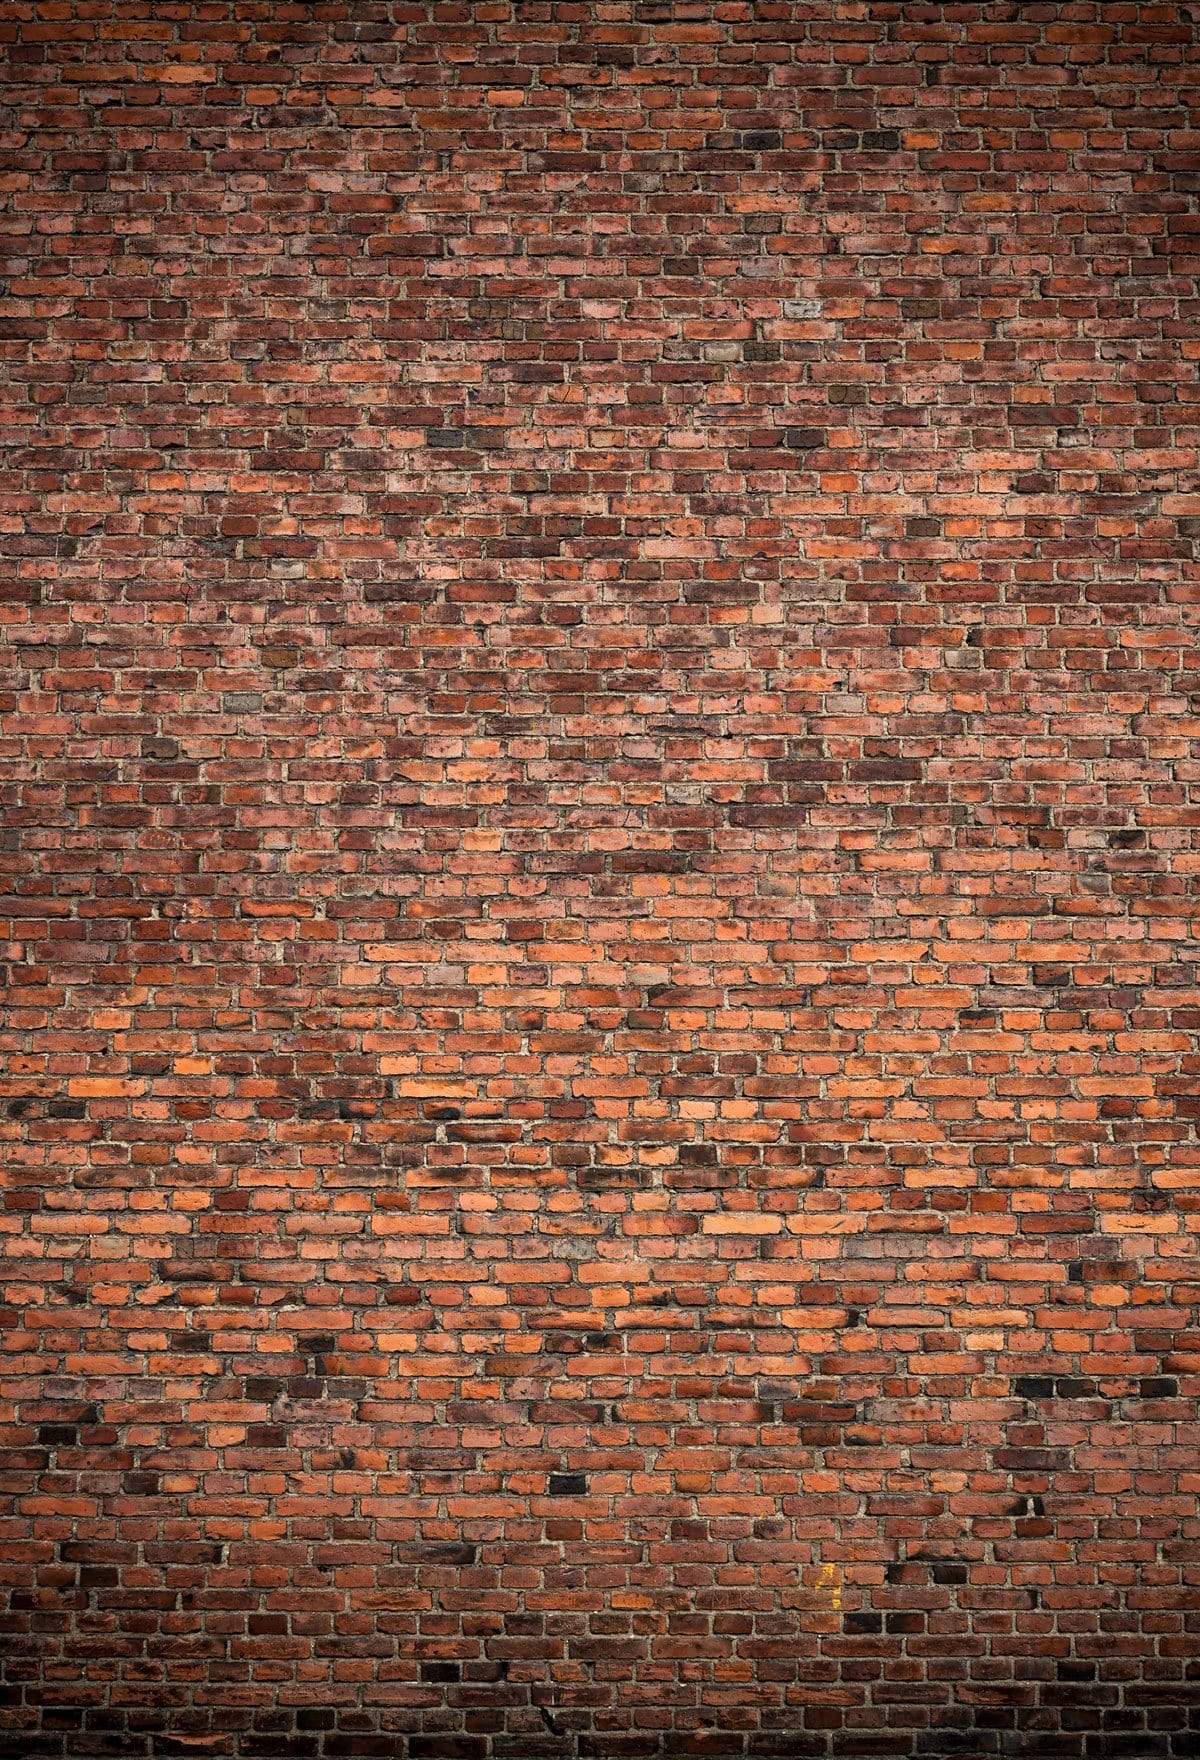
point(599, 883)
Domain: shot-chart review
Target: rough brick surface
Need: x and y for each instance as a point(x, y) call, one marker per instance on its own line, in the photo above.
point(600, 870)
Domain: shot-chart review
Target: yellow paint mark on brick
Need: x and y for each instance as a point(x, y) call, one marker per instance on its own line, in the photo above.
point(831, 1583)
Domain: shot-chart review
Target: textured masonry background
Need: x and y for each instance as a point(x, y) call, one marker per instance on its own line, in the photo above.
point(601, 833)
